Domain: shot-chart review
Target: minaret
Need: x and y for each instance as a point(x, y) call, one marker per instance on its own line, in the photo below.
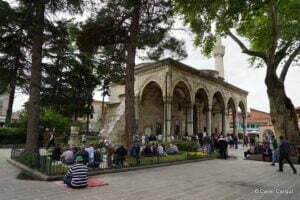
point(218, 53)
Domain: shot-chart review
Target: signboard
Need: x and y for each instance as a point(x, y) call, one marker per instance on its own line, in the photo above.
point(2, 118)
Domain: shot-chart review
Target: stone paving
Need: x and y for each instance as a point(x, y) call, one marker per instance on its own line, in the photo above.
point(212, 180)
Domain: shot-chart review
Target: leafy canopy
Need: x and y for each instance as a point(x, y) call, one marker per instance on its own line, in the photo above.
point(111, 29)
point(69, 76)
point(270, 26)
point(14, 64)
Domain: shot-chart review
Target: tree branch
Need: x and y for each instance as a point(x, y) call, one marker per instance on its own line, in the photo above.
point(281, 53)
point(245, 49)
point(288, 63)
point(274, 35)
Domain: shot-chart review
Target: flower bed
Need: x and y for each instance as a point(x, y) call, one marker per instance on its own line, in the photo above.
point(47, 166)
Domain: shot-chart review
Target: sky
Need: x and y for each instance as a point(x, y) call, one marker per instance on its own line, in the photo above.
point(237, 72)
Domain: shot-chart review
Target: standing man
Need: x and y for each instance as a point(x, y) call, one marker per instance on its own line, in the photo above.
point(274, 148)
point(121, 153)
point(222, 145)
point(135, 153)
point(235, 141)
point(284, 154)
point(51, 140)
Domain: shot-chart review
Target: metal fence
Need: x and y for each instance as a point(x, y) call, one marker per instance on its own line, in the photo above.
point(45, 163)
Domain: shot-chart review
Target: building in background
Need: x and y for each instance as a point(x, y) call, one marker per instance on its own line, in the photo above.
point(3, 107)
point(96, 119)
point(259, 124)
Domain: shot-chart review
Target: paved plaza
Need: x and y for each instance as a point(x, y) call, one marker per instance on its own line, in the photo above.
point(215, 179)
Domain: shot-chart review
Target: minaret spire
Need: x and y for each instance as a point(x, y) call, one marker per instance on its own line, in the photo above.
point(218, 53)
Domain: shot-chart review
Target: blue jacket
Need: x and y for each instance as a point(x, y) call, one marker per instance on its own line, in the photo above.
point(284, 148)
point(135, 151)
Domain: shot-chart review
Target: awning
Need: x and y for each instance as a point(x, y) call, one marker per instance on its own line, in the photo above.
point(253, 132)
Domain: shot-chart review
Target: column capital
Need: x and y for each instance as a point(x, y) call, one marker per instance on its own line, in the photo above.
point(137, 99)
point(168, 99)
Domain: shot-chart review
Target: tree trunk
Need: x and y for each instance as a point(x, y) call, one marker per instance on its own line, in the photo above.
point(35, 82)
point(12, 89)
point(282, 110)
point(130, 122)
point(87, 123)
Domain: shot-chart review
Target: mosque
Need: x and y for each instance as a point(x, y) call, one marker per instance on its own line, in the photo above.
point(172, 98)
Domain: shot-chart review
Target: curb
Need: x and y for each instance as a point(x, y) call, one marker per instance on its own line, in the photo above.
point(42, 177)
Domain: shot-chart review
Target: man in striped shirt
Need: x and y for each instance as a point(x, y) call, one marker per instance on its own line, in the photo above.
point(77, 175)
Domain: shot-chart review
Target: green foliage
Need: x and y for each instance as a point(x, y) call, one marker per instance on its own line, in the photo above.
point(14, 41)
point(29, 159)
point(261, 23)
point(69, 79)
point(54, 120)
point(10, 135)
point(110, 30)
point(49, 118)
point(189, 146)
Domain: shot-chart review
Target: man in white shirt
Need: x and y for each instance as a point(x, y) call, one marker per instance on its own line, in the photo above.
point(68, 156)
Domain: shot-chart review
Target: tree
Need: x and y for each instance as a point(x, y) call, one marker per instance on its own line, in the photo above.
point(126, 26)
point(69, 76)
point(273, 30)
point(37, 17)
point(14, 62)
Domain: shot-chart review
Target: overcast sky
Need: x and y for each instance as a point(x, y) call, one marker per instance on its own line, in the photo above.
point(237, 72)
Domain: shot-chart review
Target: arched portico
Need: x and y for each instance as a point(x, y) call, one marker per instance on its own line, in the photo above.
point(231, 125)
point(151, 110)
point(201, 108)
point(218, 114)
point(181, 111)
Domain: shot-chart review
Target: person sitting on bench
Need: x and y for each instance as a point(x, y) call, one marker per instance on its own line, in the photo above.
point(77, 175)
point(249, 150)
point(266, 153)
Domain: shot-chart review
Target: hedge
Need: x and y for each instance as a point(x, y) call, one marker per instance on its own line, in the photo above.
point(12, 136)
point(189, 146)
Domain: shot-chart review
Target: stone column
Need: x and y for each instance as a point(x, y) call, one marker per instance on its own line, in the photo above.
point(137, 113)
point(235, 123)
point(208, 120)
point(224, 121)
point(245, 124)
point(190, 119)
point(167, 117)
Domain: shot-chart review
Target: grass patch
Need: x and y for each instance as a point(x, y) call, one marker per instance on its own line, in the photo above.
point(25, 177)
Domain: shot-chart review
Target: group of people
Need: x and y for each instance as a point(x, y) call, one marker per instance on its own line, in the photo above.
point(276, 152)
point(81, 159)
point(91, 156)
point(116, 157)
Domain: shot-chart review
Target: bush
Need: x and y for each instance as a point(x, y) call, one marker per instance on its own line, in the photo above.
point(189, 146)
point(49, 119)
point(12, 135)
point(29, 159)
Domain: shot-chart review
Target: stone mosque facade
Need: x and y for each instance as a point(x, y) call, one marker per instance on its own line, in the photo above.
point(172, 98)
